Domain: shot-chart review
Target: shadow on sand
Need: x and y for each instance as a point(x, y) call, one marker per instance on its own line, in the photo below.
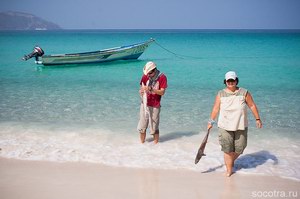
point(249, 161)
point(253, 160)
point(173, 136)
point(213, 169)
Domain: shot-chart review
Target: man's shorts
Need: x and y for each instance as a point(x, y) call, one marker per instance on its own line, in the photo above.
point(233, 141)
point(152, 122)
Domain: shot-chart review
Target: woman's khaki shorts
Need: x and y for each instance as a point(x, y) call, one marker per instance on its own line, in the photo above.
point(152, 122)
point(233, 141)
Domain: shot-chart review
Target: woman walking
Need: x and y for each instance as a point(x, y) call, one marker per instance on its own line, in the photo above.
point(231, 104)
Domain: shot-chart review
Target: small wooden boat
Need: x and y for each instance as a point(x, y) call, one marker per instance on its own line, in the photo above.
point(133, 51)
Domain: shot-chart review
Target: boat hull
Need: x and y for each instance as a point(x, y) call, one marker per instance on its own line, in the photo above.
point(119, 53)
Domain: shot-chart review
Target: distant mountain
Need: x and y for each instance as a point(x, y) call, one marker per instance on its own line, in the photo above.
point(23, 21)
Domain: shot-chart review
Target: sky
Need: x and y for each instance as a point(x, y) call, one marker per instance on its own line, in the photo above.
point(162, 14)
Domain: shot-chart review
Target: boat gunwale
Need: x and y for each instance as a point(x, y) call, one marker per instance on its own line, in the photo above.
point(100, 52)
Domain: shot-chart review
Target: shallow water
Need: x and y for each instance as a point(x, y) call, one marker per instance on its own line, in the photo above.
point(90, 112)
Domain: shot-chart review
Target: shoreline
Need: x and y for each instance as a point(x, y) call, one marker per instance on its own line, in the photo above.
point(42, 179)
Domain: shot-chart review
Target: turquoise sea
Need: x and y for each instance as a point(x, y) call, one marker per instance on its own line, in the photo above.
point(90, 112)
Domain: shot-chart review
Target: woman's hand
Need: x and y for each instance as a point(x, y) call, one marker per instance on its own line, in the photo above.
point(258, 124)
point(209, 126)
point(210, 123)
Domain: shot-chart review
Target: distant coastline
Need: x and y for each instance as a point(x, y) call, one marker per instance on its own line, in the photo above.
point(168, 30)
point(23, 21)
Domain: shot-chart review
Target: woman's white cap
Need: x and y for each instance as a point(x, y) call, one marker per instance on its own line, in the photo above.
point(149, 67)
point(230, 75)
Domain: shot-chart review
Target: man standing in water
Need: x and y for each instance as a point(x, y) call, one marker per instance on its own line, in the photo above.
point(232, 104)
point(152, 87)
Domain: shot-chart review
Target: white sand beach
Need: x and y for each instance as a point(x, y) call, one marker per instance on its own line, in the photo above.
point(40, 179)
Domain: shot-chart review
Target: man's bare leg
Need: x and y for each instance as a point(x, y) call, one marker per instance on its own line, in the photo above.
point(143, 136)
point(156, 137)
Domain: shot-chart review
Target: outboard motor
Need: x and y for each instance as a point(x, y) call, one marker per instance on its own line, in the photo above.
point(37, 52)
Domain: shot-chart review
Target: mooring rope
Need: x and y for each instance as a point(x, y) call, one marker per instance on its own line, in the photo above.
point(168, 50)
point(176, 54)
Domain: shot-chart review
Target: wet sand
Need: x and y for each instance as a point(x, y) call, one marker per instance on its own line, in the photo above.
point(43, 180)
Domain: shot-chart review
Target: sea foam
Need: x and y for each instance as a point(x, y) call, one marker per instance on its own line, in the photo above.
point(31, 141)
